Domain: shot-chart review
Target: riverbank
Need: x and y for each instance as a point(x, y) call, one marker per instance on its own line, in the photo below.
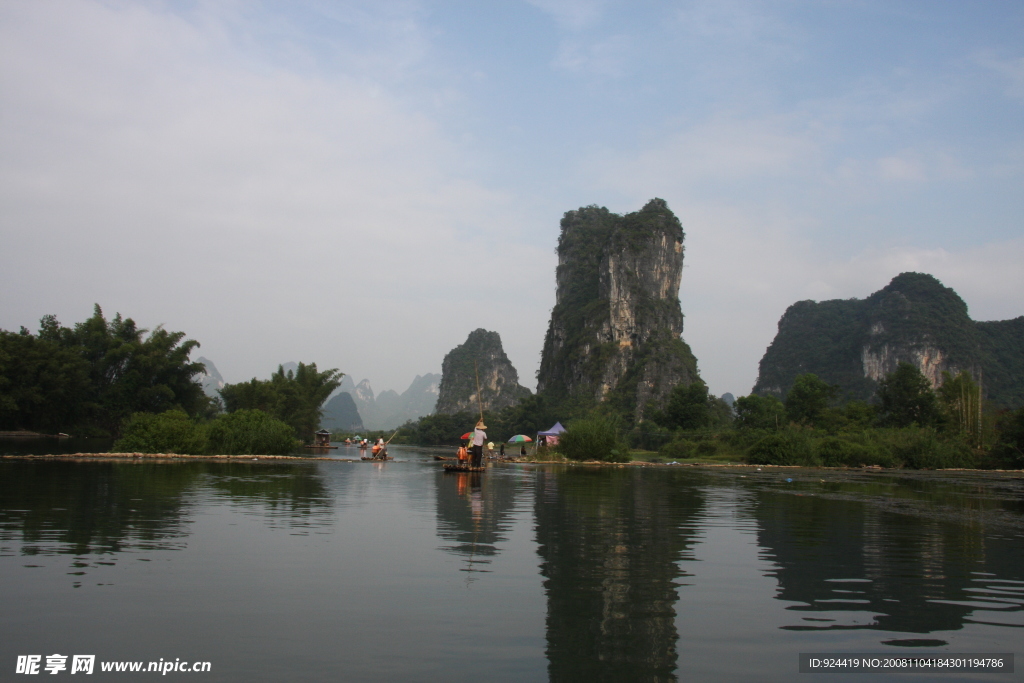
point(570, 463)
point(170, 456)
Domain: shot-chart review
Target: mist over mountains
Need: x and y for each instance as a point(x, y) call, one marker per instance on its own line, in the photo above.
point(387, 410)
point(354, 406)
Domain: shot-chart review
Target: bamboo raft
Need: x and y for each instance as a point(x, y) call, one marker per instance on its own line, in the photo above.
point(459, 467)
point(370, 458)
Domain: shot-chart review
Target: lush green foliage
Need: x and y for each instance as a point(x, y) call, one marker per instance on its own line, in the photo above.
point(243, 432)
point(295, 398)
point(808, 399)
point(1002, 358)
point(760, 412)
point(787, 447)
point(593, 438)
point(960, 402)
point(250, 432)
point(906, 398)
point(1009, 450)
point(90, 378)
point(172, 431)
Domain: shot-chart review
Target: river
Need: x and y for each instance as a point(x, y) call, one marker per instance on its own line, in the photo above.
point(358, 571)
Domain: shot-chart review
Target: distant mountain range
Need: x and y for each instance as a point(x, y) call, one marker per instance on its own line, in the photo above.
point(211, 380)
point(354, 407)
point(388, 410)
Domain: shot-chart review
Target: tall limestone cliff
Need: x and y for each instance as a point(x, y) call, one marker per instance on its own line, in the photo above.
point(499, 381)
point(856, 342)
point(616, 328)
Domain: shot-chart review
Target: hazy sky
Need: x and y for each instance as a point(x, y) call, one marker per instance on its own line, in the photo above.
point(361, 184)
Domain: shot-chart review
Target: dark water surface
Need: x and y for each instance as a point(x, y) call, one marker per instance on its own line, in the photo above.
point(396, 571)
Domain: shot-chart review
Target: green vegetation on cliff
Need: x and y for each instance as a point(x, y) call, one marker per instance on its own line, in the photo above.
point(914, 319)
point(615, 332)
point(482, 359)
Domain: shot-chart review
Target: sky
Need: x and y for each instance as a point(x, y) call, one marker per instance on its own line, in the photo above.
point(362, 184)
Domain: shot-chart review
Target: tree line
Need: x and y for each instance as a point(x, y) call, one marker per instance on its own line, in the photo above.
point(907, 424)
point(110, 378)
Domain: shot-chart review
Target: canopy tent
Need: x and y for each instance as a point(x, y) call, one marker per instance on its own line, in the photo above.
point(554, 431)
point(550, 437)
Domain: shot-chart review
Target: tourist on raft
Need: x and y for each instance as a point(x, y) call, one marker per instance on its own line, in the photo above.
point(477, 449)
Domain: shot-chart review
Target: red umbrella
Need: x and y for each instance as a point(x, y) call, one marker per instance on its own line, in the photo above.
point(467, 435)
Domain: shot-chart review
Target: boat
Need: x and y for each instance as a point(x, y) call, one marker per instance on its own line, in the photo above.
point(378, 459)
point(462, 467)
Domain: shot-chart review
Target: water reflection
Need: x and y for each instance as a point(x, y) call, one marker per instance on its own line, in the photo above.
point(59, 507)
point(43, 445)
point(474, 515)
point(906, 557)
point(611, 541)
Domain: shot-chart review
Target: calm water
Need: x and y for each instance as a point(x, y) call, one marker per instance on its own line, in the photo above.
point(396, 571)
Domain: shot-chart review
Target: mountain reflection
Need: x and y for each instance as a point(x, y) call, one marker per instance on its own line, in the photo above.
point(474, 514)
point(611, 541)
point(858, 564)
point(59, 507)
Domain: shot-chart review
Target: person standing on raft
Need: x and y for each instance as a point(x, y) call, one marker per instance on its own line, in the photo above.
point(477, 449)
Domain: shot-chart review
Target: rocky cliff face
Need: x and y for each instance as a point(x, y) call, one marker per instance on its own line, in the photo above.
point(914, 319)
point(499, 381)
point(615, 330)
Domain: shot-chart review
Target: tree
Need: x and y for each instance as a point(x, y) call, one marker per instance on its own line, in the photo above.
point(960, 400)
point(906, 398)
point(130, 372)
point(43, 386)
point(688, 407)
point(593, 438)
point(808, 399)
point(1010, 448)
point(296, 398)
point(760, 412)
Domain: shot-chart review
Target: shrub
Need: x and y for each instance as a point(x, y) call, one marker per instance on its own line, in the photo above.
point(1009, 451)
point(706, 448)
point(593, 438)
point(784, 448)
point(250, 432)
point(676, 450)
point(836, 452)
point(169, 432)
point(922, 449)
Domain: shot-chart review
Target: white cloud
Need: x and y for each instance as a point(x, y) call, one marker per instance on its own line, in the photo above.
point(274, 215)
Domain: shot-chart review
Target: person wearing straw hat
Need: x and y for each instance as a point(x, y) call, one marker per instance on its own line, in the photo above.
point(477, 449)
